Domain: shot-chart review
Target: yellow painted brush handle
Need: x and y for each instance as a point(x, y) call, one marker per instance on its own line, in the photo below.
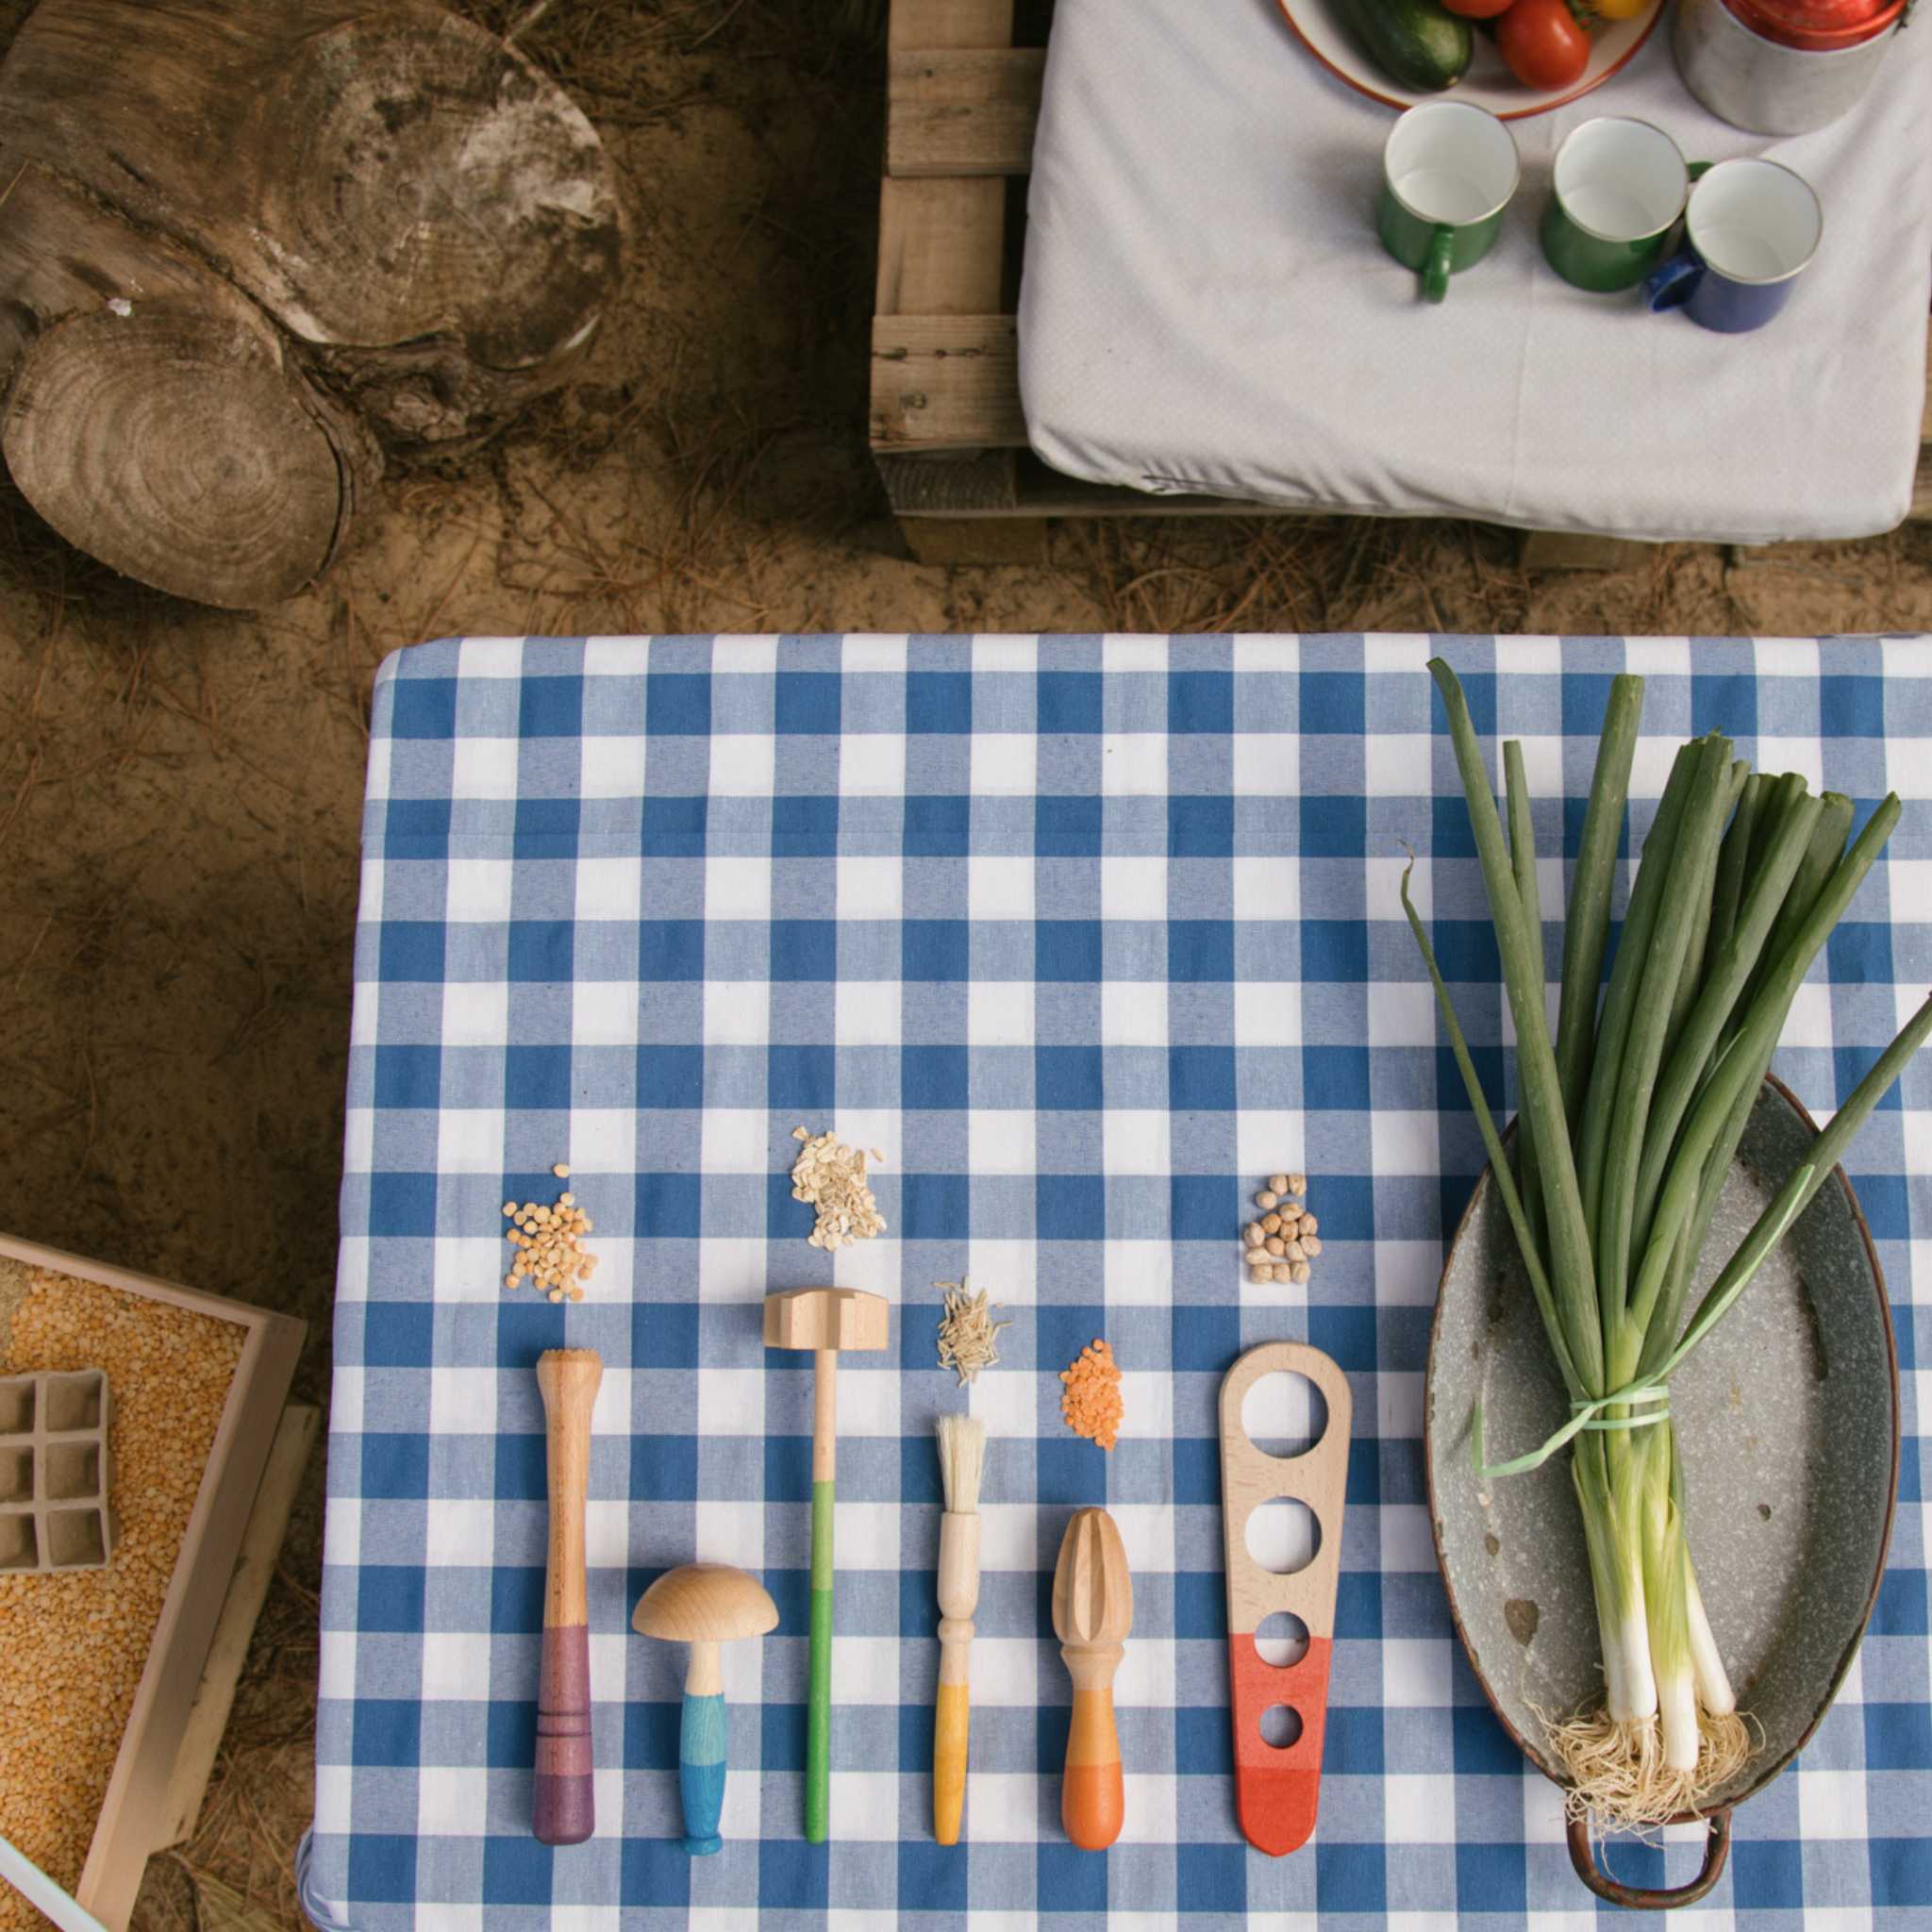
point(951, 1723)
point(959, 1598)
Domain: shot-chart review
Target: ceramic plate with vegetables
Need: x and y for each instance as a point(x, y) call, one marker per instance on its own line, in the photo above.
point(1514, 57)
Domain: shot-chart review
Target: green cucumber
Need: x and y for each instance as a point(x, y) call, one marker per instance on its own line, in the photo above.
point(1417, 43)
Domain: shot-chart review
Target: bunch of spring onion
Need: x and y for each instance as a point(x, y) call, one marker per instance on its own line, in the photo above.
point(1627, 1127)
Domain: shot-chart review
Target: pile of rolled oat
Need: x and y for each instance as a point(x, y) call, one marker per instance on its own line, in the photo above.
point(831, 1176)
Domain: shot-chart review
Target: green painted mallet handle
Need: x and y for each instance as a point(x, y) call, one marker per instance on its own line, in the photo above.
point(818, 1713)
point(818, 1709)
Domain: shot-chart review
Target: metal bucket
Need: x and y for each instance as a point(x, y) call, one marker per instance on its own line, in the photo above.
point(1767, 86)
point(1789, 1421)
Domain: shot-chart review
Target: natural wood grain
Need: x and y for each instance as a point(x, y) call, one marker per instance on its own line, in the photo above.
point(705, 1605)
point(1092, 1615)
point(388, 175)
point(949, 24)
point(242, 239)
point(177, 446)
point(969, 111)
point(261, 1547)
point(945, 382)
point(942, 246)
point(568, 1379)
point(826, 1321)
point(1250, 1477)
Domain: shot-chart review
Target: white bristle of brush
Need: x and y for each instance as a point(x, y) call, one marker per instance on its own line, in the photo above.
point(962, 1460)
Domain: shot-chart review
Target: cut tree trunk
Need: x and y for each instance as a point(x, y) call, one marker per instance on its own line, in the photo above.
point(249, 244)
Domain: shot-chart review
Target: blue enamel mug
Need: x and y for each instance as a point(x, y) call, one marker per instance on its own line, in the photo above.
point(1751, 228)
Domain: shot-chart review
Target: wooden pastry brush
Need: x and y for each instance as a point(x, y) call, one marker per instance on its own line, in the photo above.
point(963, 1460)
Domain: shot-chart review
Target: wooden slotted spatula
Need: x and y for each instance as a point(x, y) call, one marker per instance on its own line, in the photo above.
point(1092, 1613)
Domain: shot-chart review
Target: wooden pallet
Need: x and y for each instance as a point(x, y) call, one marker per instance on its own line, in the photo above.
point(946, 428)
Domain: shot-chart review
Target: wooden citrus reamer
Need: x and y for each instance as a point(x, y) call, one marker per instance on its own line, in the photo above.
point(825, 1320)
point(564, 1809)
point(1277, 1788)
point(1092, 1613)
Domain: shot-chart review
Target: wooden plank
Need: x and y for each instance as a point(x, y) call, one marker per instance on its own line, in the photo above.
point(949, 24)
point(945, 382)
point(1570, 550)
point(942, 246)
point(262, 1546)
point(1922, 491)
point(969, 111)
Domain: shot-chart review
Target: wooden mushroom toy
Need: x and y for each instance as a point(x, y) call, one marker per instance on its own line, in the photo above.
point(703, 1604)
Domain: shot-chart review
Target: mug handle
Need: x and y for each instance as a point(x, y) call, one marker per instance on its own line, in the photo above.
point(1674, 283)
point(1436, 269)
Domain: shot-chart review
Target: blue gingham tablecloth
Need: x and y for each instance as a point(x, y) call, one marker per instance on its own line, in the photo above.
point(1087, 935)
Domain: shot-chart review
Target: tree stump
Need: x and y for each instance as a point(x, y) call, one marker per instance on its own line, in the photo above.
point(250, 246)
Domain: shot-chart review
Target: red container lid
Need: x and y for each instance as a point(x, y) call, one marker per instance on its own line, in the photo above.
point(1821, 26)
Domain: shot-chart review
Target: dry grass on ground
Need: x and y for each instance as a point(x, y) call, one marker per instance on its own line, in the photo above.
point(180, 788)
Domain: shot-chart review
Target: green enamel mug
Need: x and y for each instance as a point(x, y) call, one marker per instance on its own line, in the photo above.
point(1448, 171)
point(1619, 189)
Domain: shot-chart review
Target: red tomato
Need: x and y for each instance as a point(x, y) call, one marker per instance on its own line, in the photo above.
point(1476, 9)
point(1544, 46)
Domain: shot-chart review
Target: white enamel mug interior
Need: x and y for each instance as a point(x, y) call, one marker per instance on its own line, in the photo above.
point(1620, 180)
point(1451, 161)
point(1753, 221)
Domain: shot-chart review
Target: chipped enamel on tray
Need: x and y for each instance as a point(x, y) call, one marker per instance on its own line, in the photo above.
point(1277, 1788)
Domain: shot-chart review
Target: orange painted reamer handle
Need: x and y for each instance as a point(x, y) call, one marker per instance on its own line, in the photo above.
point(1092, 1800)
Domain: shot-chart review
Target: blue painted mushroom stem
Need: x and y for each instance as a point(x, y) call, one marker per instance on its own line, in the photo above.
point(701, 1746)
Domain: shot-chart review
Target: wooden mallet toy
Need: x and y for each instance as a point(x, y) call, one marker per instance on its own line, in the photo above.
point(1092, 1613)
point(564, 1810)
point(703, 1604)
point(827, 1321)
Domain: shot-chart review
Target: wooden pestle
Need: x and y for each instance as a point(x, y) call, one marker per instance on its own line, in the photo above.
point(1092, 1613)
point(564, 1808)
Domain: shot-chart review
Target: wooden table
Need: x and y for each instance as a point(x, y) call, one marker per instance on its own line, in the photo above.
point(964, 80)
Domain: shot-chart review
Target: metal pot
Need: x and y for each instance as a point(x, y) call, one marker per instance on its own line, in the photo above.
point(1788, 1420)
point(1773, 70)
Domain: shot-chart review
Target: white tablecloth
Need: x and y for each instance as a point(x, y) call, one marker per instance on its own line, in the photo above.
point(1206, 306)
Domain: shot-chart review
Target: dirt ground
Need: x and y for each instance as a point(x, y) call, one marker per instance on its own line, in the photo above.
point(180, 788)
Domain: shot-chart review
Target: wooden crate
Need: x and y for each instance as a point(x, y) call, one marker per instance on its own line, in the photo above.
point(946, 429)
point(145, 1802)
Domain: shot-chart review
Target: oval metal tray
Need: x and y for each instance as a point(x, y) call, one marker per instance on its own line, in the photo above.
point(1789, 1421)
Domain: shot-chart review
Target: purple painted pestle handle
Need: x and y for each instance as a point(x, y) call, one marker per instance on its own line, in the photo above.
point(563, 1810)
